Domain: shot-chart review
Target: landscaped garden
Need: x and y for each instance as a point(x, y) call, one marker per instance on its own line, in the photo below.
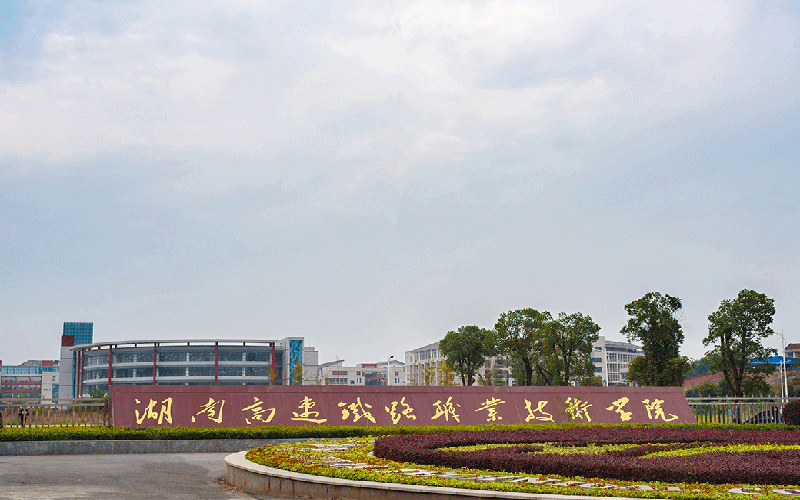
point(665, 461)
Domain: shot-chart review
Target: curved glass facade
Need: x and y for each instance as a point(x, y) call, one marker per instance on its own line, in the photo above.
point(183, 363)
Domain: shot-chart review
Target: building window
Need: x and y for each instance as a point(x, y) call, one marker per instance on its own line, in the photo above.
point(256, 371)
point(201, 371)
point(201, 356)
point(171, 356)
point(230, 371)
point(231, 355)
point(171, 371)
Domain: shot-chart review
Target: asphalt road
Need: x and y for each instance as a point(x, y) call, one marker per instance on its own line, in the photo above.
point(117, 477)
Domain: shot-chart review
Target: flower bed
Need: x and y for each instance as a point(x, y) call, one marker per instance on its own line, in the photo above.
point(719, 455)
point(671, 462)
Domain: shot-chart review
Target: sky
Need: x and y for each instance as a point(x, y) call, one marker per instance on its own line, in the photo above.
point(370, 176)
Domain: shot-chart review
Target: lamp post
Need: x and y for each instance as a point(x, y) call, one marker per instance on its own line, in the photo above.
point(388, 371)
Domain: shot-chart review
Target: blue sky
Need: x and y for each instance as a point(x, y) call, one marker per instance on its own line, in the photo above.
point(373, 176)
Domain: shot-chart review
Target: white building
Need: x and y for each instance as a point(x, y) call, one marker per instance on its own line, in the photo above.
point(335, 373)
point(611, 359)
point(425, 366)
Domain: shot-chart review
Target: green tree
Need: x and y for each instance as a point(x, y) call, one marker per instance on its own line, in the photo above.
point(428, 373)
point(736, 330)
point(593, 381)
point(520, 334)
point(653, 323)
point(464, 351)
point(568, 348)
point(296, 377)
point(447, 377)
point(708, 389)
point(698, 367)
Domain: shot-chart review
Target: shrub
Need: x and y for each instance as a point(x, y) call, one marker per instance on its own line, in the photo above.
point(717, 467)
point(791, 413)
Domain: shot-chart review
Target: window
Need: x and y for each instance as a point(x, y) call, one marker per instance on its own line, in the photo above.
point(256, 371)
point(230, 371)
point(171, 356)
point(201, 371)
point(127, 357)
point(201, 356)
point(171, 371)
point(145, 357)
point(597, 360)
point(262, 356)
point(231, 355)
point(598, 369)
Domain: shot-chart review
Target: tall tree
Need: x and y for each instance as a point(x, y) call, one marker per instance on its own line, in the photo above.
point(464, 351)
point(653, 323)
point(736, 329)
point(568, 348)
point(520, 335)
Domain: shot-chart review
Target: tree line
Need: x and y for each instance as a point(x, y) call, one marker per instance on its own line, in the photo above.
point(543, 350)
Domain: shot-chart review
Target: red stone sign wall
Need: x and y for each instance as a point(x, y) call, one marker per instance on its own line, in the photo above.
point(242, 406)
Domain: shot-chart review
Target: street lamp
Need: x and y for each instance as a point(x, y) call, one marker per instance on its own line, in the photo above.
point(388, 372)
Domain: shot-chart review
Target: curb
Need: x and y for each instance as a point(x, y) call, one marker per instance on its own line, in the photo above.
point(255, 478)
point(26, 448)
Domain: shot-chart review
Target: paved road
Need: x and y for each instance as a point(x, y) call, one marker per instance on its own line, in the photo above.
point(117, 477)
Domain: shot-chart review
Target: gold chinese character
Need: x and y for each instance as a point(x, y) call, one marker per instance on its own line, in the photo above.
point(396, 416)
point(546, 417)
point(309, 416)
point(659, 412)
point(448, 410)
point(357, 409)
point(619, 405)
point(210, 408)
point(490, 405)
point(258, 412)
point(149, 412)
point(576, 408)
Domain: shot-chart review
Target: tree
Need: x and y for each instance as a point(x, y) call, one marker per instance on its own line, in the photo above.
point(698, 367)
point(428, 373)
point(708, 389)
point(447, 376)
point(568, 348)
point(736, 330)
point(296, 377)
point(653, 323)
point(464, 351)
point(520, 334)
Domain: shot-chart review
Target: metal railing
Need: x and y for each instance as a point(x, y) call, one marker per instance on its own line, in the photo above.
point(738, 410)
point(46, 412)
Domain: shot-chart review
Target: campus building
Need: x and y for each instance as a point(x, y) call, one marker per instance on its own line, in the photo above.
point(611, 359)
point(425, 366)
point(792, 351)
point(72, 334)
point(96, 365)
point(335, 373)
point(32, 379)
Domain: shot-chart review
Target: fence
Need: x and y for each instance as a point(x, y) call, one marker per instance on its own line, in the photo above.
point(43, 412)
point(738, 410)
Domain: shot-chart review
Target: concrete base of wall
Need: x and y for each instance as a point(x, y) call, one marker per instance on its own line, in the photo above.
point(134, 446)
point(254, 478)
